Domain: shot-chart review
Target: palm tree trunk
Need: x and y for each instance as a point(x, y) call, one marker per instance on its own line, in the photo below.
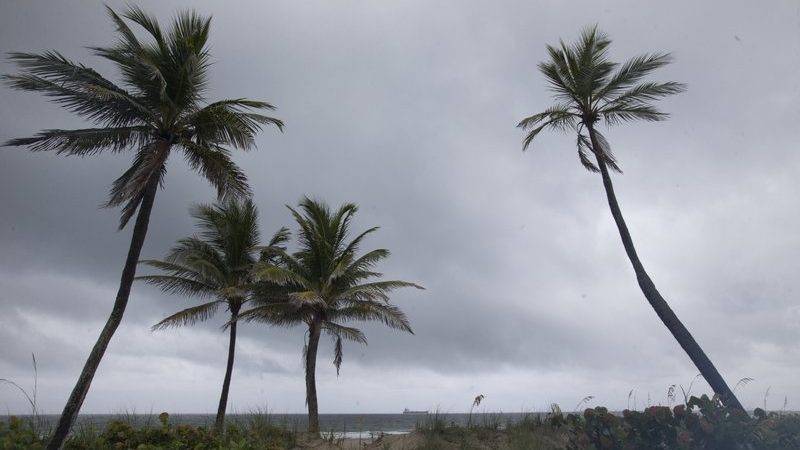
point(219, 425)
point(311, 384)
point(75, 400)
point(661, 307)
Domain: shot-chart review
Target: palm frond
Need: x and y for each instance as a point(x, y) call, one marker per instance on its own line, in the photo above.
point(149, 23)
point(354, 270)
point(368, 310)
point(98, 105)
point(85, 142)
point(585, 146)
point(307, 298)
point(644, 93)
point(349, 333)
point(281, 314)
point(215, 164)
point(558, 117)
point(375, 291)
point(338, 332)
point(280, 237)
point(338, 354)
point(592, 65)
point(632, 112)
point(189, 316)
point(229, 122)
point(633, 71)
point(202, 257)
point(605, 152)
point(279, 275)
point(148, 166)
point(78, 88)
point(275, 247)
point(172, 284)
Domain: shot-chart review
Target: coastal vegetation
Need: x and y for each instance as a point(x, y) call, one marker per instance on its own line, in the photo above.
point(699, 423)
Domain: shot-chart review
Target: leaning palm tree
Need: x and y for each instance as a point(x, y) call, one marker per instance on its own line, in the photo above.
point(156, 109)
point(327, 286)
point(215, 266)
point(589, 88)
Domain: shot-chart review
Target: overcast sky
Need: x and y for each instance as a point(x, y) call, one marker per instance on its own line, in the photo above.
point(409, 109)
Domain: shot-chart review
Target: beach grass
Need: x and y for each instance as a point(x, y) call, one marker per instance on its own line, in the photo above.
point(700, 423)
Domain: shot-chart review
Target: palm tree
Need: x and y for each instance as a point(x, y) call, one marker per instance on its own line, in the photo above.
point(328, 285)
point(215, 266)
point(589, 87)
point(157, 108)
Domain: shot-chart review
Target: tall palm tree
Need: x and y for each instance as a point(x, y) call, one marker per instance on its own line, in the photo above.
point(328, 285)
point(589, 88)
point(156, 109)
point(215, 266)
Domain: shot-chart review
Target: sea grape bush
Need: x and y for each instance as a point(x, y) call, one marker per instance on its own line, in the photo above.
point(702, 423)
point(16, 434)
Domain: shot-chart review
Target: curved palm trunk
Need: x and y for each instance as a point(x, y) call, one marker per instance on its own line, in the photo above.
point(219, 424)
point(311, 384)
point(661, 307)
point(75, 400)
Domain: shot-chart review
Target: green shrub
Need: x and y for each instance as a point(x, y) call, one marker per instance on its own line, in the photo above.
point(17, 434)
point(703, 423)
point(121, 434)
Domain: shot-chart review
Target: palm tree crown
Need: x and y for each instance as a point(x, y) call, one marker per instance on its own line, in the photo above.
point(216, 264)
point(326, 281)
point(589, 87)
point(157, 106)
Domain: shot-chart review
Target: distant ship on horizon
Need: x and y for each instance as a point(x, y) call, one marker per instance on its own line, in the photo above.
point(408, 411)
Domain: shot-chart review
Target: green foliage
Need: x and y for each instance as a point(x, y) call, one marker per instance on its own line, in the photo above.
point(326, 284)
point(702, 423)
point(158, 105)
point(588, 87)
point(121, 434)
point(17, 434)
point(215, 264)
point(529, 433)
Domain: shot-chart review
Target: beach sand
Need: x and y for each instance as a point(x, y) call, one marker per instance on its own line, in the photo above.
point(388, 442)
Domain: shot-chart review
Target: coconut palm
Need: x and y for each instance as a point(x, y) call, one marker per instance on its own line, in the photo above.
point(214, 266)
point(158, 107)
point(328, 285)
point(588, 88)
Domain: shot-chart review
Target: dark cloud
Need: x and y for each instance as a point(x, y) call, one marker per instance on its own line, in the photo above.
point(408, 109)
